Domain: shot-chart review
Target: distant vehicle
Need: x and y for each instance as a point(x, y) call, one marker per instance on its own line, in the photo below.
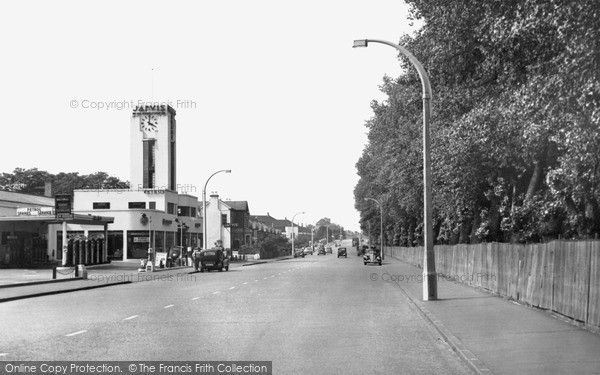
point(298, 253)
point(372, 256)
point(341, 252)
point(355, 242)
point(308, 250)
point(174, 254)
point(329, 250)
point(210, 259)
point(321, 251)
point(361, 250)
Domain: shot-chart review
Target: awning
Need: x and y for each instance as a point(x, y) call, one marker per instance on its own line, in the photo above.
point(70, 219)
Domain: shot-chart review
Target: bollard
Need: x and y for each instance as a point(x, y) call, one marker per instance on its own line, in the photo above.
point(81, 271)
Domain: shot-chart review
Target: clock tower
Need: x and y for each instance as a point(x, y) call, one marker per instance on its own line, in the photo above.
point(153, 148)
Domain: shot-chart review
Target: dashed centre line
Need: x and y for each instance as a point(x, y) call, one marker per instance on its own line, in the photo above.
point(168, 306)
point(76, 333)
point(233, 287)
point(132, 317)
point(195, 298)
point(217, 292)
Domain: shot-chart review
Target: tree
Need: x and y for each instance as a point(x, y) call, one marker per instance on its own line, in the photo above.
point(515, 124)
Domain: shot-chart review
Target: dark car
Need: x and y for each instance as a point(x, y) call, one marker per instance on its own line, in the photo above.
point(321, 251)
point(174, 255)
point(210, 259)
point(342, 252)
point(298, 253)
point(361, 250)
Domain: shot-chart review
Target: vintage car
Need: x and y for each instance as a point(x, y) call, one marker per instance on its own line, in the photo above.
point(361, 250)
point(329, 250)
point(174, 256)
point(321, 251)
point(342, 252)
point(372, 256)
point(210, 259)
point(298, 253)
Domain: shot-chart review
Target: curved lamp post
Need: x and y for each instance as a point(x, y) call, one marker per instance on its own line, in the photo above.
point(381, 220)
point(293, 234)
point(204, 218)
point(429, 274)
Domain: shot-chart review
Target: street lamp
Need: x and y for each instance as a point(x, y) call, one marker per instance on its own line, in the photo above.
point(204, 219)
point(429, 275)
point(181, 226)
point(293, 217)
point(381, 219)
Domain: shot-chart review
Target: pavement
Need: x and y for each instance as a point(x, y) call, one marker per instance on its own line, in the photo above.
point(491, 334)
point(36, 282)
point(494, 335)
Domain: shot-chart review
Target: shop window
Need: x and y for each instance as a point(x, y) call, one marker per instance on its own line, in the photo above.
point(152, 205)
point(101, 205)
point(192, 211)
point(223, 219)
point(133, 205)
point(171, 208)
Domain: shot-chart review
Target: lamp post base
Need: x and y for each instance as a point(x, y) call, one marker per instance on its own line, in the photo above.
point(429, 286)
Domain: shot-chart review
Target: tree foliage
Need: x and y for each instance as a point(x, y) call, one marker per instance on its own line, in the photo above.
point(33, 181)
point(515, 125)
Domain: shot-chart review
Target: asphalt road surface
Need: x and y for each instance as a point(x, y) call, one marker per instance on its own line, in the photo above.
point(313, 315)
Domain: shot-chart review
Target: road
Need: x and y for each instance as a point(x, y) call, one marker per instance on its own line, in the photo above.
point(313, 315)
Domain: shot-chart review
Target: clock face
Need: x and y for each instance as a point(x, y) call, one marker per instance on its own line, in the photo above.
point(148, 123)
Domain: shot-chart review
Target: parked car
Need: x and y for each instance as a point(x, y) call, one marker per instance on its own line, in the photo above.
point(321, 251)
point(373, 255)
point(329, 250)
point(210, 259)
point(308, 250)
point(174, 254)
point(298, 253)
point(341, 252)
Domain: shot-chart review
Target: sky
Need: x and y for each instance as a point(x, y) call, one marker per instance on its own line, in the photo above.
point(272, 90)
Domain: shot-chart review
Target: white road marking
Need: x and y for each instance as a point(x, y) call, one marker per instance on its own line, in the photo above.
point(217, 292)
point(245, 283)
point(264, 278)
point(76, 333)
point(3, 354)
point(168, 306)
point(195, 298)
point(132, 317)
point(256, 280)
point(272, 275)
point(233, 287)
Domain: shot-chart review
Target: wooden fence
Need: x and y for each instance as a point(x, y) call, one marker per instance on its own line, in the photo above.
point(562, 276)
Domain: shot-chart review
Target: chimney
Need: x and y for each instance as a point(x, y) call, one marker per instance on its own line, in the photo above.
point(48, 189)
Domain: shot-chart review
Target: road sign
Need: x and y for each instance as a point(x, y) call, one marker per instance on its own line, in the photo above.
point(62, 204)
point(63, 216)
